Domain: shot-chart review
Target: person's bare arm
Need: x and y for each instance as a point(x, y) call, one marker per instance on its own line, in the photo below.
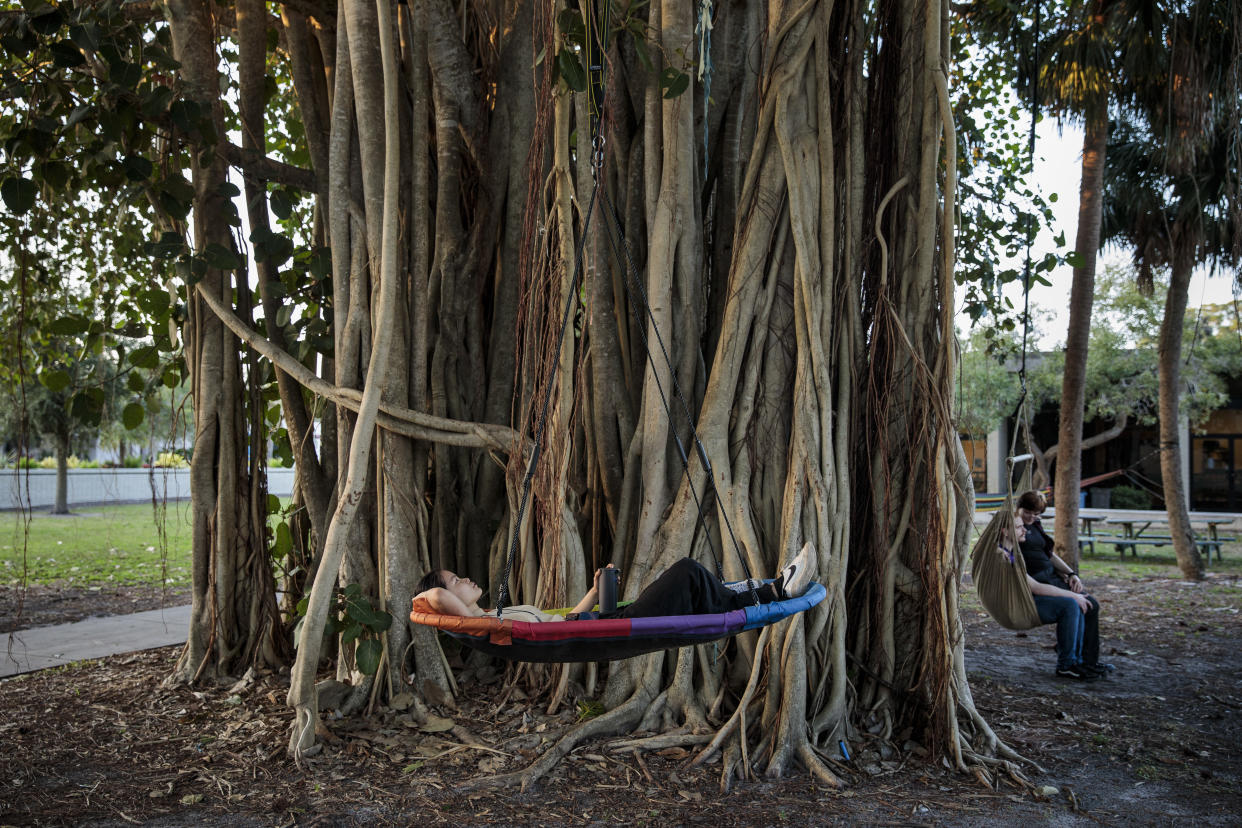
point(592, 597)
point(446, 603)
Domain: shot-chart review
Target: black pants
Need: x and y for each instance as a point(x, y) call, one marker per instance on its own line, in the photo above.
point(1091, 633)
point(687, 588)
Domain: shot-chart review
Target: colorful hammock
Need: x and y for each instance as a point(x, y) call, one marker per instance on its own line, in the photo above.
point(605, 639)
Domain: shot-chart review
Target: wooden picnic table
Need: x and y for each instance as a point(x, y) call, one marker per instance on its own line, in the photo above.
point(1135, 524)
point(1087, 517)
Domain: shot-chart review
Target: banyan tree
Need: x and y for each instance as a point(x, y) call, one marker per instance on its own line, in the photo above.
point(393, 204)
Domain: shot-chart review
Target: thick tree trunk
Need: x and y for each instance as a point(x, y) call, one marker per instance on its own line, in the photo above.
point(1170, 354)
point(233, 621)
point(798, 268)
point(1082, 295)
point(302, 694)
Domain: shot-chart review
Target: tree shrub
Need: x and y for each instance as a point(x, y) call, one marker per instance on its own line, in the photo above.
point(1129, 497)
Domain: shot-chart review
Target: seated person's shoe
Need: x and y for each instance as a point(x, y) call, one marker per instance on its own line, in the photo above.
point(797, 574)
point(1075, 672)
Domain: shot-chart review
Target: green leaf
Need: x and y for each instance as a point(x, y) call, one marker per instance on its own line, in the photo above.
point(673, 82)
point(368, 656)
point(135, 383)
point(1075, 259)
point(353, 590)
point(77, 116)
point(125, 74)
point(133, 415)
point(86, 36)
point(569, 21)
point(351, 632)
point(184, 114)
point(145, 357)
point(54, 174)
point(137, 168)
point(281, 203)
point(219, 256)
point(70, 325)
point(171, 378)
point(87, 406)
point(284, 538)
point(640, 49)
point(54, 381)
point(19, 194)
point(273, 505)
point(66, 55)
point(571, 70)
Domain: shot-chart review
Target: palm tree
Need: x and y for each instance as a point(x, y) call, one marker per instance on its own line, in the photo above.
point(1173, 197)
point(1077, 68)
point(1086, 65)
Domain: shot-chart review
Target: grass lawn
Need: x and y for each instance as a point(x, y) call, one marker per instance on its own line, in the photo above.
point(97, 545)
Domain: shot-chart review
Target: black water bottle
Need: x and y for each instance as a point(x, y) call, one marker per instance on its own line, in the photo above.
point(609, 585)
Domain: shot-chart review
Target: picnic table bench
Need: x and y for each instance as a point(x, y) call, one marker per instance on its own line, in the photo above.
point(1135, 523)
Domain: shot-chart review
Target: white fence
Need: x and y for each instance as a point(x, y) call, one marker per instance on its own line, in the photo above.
point(36, 488)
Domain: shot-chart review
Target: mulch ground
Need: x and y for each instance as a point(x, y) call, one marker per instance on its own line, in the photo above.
point(103, 743)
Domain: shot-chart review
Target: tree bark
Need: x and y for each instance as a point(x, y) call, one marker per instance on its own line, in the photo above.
point(61, 505)
point(1170, 363)
point(1082, 295)
point(233, 621)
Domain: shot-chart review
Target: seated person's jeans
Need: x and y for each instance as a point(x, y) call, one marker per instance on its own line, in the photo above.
point(1078, 638)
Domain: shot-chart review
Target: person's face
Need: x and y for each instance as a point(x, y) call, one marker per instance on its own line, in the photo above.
point(464, 588)
point(1026, 515)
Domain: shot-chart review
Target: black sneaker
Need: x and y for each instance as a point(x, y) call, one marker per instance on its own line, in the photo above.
point(1077, 673)
point(1095, 671)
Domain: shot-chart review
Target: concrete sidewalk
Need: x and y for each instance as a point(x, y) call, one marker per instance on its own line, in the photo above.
point(42, 647)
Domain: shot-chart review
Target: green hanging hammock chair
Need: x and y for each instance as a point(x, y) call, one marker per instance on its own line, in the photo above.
point(1000, 577)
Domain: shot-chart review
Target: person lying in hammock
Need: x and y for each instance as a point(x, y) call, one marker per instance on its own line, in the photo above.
point(1059, 595)
point(685, 588)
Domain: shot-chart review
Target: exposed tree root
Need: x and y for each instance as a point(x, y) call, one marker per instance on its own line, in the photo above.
point(619, 720)
point(679, 738)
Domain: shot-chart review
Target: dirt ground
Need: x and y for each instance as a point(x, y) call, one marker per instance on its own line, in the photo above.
point(103, 744)
point(41, 606)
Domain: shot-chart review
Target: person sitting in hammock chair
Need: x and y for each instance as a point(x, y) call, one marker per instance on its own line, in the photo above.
point(1059, 595)
point(685, 588)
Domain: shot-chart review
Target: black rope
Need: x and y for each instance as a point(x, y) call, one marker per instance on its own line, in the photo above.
point(1030, 154)
point(637, 297)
